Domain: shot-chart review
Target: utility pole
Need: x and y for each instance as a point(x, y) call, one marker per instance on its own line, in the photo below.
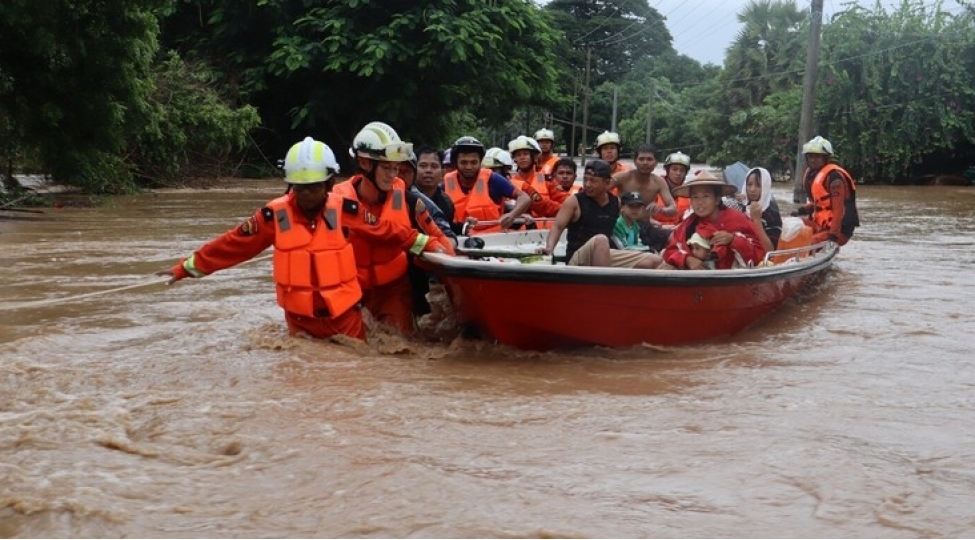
point(615, 101)
point(653, 90)
point(808, 97)
point(585, 107)
point(575, 103)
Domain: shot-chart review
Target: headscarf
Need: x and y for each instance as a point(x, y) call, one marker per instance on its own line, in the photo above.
point(766, 180)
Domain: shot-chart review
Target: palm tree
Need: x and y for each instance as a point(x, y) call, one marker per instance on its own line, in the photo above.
point(768, 54)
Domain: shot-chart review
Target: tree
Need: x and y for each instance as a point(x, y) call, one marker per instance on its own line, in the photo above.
point(768, 55)
point(71, 70)
point(894, 87)
point(328, 69)
point(620, 33)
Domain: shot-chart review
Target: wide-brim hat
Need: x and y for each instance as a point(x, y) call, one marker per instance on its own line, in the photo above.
point(702, 177)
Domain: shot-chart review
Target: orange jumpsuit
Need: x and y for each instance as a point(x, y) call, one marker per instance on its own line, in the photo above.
point(259, 232)
point(383, 264)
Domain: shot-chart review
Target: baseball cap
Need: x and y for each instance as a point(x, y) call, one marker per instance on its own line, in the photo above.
point(631, 197)
point(599, 168)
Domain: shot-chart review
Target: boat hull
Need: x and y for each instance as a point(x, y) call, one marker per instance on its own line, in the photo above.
point(543, 307)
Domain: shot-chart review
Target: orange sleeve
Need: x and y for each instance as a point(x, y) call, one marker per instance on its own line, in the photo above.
point(555, 193)
point(237, 245)
point(381, 232)
point(541, 206)
point(838, 193)
point(430, 228)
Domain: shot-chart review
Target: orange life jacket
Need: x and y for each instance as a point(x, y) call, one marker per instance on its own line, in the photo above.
point(476, 204)
point(619, 167)
point(379, 264)
point(683, 204)
point(535, 179)
point(313, 262)
point(822, 214)
point(573, 189)
point(547, 167)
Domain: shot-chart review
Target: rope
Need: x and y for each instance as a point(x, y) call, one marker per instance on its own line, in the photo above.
point(75, 298)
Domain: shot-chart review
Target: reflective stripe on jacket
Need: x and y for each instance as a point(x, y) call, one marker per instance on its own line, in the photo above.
point(313, 262)
point(532, 178)
point(476, 203)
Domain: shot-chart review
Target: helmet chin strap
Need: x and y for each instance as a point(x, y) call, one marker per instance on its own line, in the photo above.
point(371, 176)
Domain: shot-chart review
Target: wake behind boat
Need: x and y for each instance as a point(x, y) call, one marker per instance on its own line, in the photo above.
point(524, 300)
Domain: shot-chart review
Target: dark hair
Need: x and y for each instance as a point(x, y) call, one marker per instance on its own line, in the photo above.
point(565, 162)
point(646, 148)
point(429, 150)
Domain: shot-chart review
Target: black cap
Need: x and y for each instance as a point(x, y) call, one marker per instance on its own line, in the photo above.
point(631, 197)
point(599, 168)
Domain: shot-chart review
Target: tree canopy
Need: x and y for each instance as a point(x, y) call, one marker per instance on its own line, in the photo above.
point(329, 69)
point(114, 95)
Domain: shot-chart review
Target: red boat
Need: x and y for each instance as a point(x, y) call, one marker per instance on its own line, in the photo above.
point(534, 304)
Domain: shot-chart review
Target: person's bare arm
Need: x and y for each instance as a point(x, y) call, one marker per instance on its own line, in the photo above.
point(567, 214)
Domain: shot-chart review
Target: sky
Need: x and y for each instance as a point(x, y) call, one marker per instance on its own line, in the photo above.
point(704, 29)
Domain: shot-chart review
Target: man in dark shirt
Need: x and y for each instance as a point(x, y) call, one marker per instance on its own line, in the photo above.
point(590, 216)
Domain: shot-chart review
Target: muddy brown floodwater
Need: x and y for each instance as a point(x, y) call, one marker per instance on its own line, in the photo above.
point(186, 411)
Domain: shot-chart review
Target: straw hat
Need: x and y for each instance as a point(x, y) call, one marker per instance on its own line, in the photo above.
point(702, 177)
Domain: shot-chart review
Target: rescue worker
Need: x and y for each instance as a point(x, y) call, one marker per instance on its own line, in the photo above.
point(676, 167)
point(545, 161)
point(524, 150)
point(608, 147)
point(382, 266)
point(448, 164)
point(831, 195)
point(478, 194)
point(314, 263)
point(499, 161)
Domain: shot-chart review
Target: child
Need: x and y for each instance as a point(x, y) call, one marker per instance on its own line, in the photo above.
point(701, 248)
point(626, 233)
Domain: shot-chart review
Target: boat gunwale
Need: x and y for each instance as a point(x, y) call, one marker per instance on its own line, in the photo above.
point(464, 267)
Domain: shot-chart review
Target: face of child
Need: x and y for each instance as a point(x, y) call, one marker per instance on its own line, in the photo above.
point(700, 252)
point(632, 210)
point(753, 187)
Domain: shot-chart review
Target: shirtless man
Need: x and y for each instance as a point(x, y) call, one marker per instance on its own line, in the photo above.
point(643, 180)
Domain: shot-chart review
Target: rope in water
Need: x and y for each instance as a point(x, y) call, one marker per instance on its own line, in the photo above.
point(75, 298)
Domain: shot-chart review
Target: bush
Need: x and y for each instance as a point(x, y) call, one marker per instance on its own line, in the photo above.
point(186, 130)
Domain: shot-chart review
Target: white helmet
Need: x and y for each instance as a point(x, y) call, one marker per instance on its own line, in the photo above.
point(607, 137)
point(309, 162)
point(380, 142)
point(678, 158)
point(545, 134)
point(523, 143)
point(497, 157)
point(817, 145)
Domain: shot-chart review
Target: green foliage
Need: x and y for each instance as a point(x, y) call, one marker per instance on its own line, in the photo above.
point(71, 72)
point(327, 69)
point(894, 87)
point(186, 129)
point(767, 58)
point(618, 32)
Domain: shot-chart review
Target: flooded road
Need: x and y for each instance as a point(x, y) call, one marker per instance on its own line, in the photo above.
point(187, 411)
